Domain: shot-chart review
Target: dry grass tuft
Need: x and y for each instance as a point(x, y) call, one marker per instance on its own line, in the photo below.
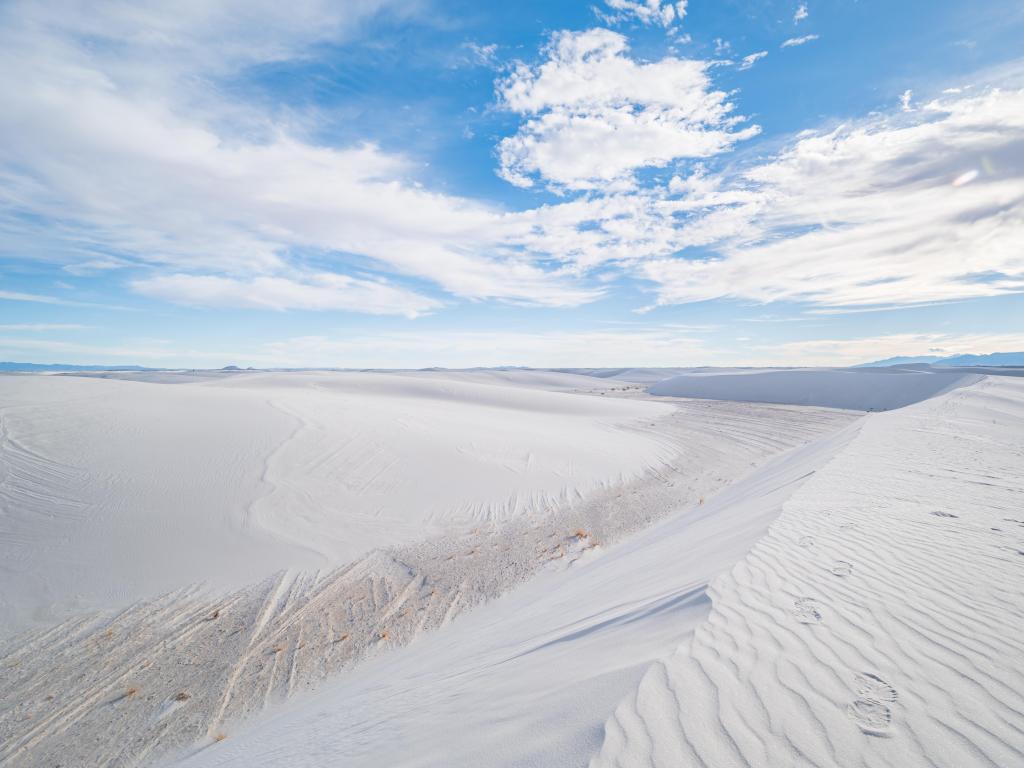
point(581, 534)
point(219, 737)
point(182, 696)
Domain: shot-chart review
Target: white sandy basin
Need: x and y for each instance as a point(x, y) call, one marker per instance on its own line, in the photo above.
point(862, 389)
point(112, 491)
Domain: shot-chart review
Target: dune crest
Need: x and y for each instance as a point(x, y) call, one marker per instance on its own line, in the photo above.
point(879, 623)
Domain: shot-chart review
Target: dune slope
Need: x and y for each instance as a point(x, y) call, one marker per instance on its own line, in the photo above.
point(529, 678)
point(179, 670)
point(881, 621)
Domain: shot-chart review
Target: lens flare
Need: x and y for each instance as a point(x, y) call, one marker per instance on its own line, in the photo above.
point(965, 178)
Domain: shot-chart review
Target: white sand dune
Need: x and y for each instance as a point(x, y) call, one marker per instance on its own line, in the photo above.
point(879, 623)
point(851, 595)
point(233, 654)
point(529, 679)
point(112, 491)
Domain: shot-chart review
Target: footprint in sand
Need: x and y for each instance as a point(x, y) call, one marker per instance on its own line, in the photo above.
point(944, 514)
point(841, 568)
point(873, 717)
point(870, 710)
point(806, 541)
point(870, 685)
point(807, 610)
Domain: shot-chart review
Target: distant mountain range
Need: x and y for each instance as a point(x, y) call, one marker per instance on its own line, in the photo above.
point(996, 358)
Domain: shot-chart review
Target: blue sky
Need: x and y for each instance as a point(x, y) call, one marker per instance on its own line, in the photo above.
point(404, 183)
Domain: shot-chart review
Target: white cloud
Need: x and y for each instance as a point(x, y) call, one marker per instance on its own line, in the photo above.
point(320, 291)
point(39, 327)
point(128, 147)
point(594, 115)
point(798, 41)
point(905, 100)
point(801, 13)
point(640, 345)
point(91, 266)
point(112, 126)
point(454, 347)
point(884, 213)
point(482, 55)
point(748, 61)
point(840, 352)
point(645, 11)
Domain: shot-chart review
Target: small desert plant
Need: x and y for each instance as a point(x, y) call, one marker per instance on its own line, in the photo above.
point(182, 696)
point(581, 534)
point(129, 693)
point(219, 737)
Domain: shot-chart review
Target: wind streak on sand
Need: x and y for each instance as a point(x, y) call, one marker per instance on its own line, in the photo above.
point(881, 621)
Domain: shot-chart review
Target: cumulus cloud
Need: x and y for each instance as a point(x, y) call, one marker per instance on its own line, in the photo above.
point(801, 13)
point(127, 148)
point(798, 41)
point(317, 291)
point(748, 61)
point(594, 115)
point(645, 11)
point(888, 213)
